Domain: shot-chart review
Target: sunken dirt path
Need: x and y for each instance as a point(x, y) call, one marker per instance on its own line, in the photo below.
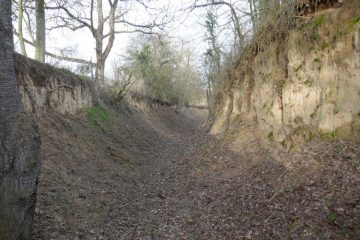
point(159, 175)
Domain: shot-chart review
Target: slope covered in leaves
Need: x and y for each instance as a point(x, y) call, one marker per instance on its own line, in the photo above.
point(152, 173)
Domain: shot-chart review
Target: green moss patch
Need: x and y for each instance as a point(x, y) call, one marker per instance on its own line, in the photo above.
point(328, 136)
point(270, 136)
point(332, 217)
point(354, 21)
point(319, 20)
point(98, 114)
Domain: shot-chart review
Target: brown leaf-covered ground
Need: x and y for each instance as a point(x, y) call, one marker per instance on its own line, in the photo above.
point(157, 174)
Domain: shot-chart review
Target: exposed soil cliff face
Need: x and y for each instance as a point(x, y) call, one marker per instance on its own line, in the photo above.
point(142, 170)
point(307, 84)
point(43, 88)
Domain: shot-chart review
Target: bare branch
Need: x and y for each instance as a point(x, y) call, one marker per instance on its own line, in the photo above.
point(78, 19)
point(70, 59)
point(112, 29)
point(64, 58)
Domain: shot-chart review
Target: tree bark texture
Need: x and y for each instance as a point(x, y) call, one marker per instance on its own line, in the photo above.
point(20, 27)
point(40, 31)
point(19, 144)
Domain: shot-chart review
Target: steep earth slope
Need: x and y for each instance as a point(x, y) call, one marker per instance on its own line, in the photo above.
point(146, 171)
point(301, 85)
point(45, 88)
point(151, 173)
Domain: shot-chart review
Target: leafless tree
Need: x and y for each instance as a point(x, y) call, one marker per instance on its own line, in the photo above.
point(104, 20)
point(35, 25)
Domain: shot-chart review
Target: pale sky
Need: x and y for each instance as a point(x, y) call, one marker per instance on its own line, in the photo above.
point(185, 28)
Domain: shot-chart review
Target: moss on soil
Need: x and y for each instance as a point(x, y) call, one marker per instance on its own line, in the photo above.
point(96, 113)
point(328, 136)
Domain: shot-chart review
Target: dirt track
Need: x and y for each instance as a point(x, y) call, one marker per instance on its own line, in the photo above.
point(159, 175)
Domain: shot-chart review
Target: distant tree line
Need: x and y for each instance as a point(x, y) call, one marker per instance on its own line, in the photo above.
point(160, 70)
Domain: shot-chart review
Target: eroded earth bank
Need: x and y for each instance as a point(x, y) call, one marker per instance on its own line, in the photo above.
point(151, 173)
point(145, 171)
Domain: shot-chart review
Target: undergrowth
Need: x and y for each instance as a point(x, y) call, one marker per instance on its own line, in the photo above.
point(96, 113)
point(328, 136)
point(270, 136)
point(354, 21)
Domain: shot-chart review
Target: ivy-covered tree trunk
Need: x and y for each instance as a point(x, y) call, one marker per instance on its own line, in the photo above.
point(19, 144)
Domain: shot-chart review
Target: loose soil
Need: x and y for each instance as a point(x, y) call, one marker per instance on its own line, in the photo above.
point(153, 173)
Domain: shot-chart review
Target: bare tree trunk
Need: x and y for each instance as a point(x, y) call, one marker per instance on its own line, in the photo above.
point(98, 34)
point(40, 31)
point(101, 54)
point(100, 72)
point(20, 27)
point(253, 15)
point(19, 144)
point(100, 63)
